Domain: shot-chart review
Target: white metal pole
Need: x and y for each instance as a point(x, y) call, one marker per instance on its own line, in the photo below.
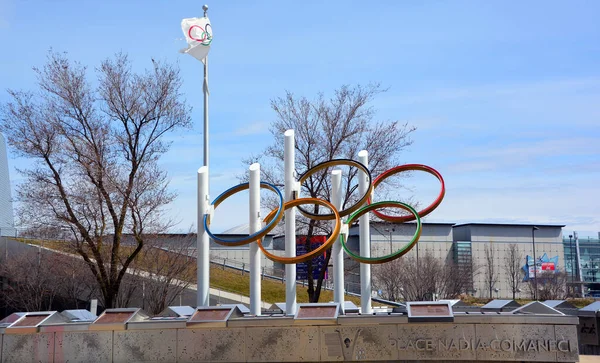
point(290, 223)
point(254, 221)
point(337, 251)
point(205, 90)
point(202, 241)
point(365, 240)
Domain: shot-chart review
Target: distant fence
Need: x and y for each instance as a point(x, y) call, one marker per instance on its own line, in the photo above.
point(277, 274)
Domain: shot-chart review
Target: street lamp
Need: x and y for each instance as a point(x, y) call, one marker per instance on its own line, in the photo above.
point(390, 230)
point(571, 258)
point(533, 229)
point(417, 246)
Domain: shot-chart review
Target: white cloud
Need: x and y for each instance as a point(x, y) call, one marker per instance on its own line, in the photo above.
point(528, 199)
point(253, 128)
point(523, 154)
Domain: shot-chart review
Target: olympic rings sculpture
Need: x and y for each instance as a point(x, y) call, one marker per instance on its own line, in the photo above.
point(325, 165)
point(309, 255)
point(410, 167)
point(255, 236)
point(393, 255)
point(354, 212)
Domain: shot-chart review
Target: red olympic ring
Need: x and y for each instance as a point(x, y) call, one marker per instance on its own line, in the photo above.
point(409, 167)
point(196, 39)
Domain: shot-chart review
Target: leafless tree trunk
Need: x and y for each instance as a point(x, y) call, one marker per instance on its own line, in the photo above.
point(455, 280)
point(166, 268)
point(33, 281)
point(37, 279)
point(75, 280)
point(328, 129)
point(512, 267)
point(96, 151)
point(490, 272)
point(403, 278)
point(387, 277)
point(551, 285)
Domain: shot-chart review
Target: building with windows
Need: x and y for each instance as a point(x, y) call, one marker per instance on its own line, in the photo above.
point(465, 245)
point(498, 239)
point(582, 260)
point(7, 223)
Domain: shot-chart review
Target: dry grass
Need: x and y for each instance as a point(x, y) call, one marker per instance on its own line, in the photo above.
point(272, 291)
point(581, 302)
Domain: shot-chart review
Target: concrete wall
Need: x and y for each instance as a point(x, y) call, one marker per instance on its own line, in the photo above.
point(500, 248)
point(351, 338)
point(548, 240)
point(512, 233)
point(435, 238)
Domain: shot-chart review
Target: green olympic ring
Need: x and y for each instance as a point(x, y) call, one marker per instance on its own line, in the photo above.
point(394, 255)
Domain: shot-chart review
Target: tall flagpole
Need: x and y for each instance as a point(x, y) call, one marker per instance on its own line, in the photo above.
point(205, 88)
point(203, 242)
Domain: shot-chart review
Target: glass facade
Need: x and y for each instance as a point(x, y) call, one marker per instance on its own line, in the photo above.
point(462, 253)
point(589, 261)
point(463, 257)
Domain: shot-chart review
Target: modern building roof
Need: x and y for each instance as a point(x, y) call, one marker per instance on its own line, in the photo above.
point(241, 230)
point(509, 224)
point(424, 223)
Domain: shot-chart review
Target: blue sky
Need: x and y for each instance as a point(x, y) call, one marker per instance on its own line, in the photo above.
point(505, 95)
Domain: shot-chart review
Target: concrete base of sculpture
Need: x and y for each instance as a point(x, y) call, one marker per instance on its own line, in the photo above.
point(470, 337)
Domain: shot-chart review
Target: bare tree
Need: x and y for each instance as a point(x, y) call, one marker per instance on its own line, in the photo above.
point(77, 285)
point(387, 277)
point(513, 268)
point(490, 272)
point(96, 151)
point(455, 279)
point(167, 270)
point(33, 283)
point(38, 279)
point(403, 278)
point(328, 129)
point(551, 285)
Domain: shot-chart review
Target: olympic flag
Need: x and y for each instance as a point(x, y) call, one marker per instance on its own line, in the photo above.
point(198, 34)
